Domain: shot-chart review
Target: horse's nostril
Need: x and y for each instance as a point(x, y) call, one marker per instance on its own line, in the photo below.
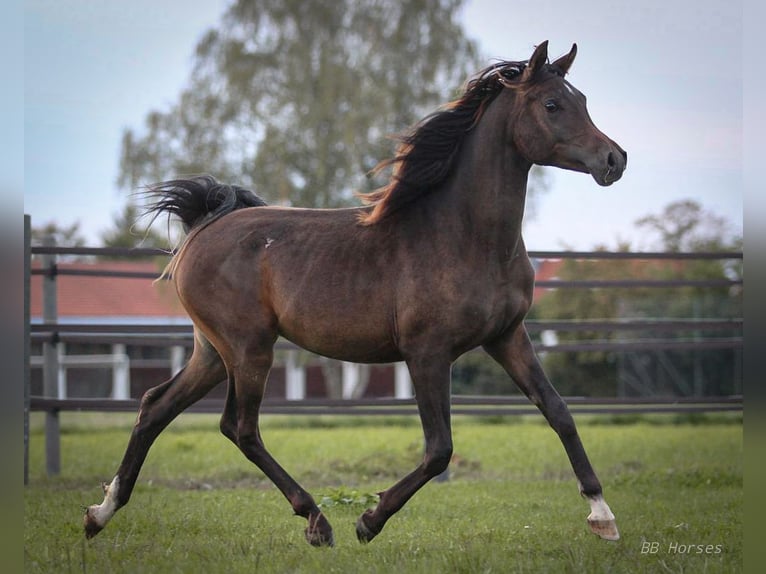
point(610, 160)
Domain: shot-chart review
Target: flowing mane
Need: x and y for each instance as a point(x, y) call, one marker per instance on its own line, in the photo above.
point(427, 153)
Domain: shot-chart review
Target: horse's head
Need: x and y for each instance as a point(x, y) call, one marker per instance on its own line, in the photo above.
point(550, 122)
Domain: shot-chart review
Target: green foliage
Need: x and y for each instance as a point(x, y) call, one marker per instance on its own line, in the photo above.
point(519, 511)
point(682, 226)
point(63, 236)
point(347, 497)
point(127, 232)
point(685, 225)
point(476, 373)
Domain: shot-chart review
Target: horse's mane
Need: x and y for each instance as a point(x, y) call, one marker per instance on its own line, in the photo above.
point(426, 154)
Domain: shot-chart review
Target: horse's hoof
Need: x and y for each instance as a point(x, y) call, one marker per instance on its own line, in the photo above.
point(606, 529)
point(318, 539)
point(363, 532)
point(91, 526)
point(319, 532)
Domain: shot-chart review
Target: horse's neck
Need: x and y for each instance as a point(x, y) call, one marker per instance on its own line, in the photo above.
point(489, 187)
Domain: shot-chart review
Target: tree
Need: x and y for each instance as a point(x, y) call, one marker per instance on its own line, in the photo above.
point(682, 226)
point(127, 232)
point(63, 236)
point(685, 226)
point(295, 99)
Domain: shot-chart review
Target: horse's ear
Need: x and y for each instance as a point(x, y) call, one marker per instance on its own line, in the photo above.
point(538, 60)
point(565, 62)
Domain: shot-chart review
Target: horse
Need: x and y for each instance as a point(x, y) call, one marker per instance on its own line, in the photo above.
point(432, 266)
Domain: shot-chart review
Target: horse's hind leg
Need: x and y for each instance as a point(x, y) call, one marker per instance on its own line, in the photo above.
point(159, 406)
point(515, 353)
point(240, 424)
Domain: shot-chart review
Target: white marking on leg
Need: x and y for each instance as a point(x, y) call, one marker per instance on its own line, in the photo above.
point(599, 509)
point(103, 512)
point(601, 518)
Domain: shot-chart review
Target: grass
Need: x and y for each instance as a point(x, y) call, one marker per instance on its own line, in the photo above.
point(511, 504)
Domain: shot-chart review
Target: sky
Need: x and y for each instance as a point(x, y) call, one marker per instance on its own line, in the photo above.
point(663, 79)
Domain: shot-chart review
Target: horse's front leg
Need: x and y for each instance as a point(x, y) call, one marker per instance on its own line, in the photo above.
point(515, 353)
point(431, 379)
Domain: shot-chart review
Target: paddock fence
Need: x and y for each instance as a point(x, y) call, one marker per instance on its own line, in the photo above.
point(49, 332)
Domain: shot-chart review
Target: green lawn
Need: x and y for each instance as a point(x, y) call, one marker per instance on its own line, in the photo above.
point(511, 504)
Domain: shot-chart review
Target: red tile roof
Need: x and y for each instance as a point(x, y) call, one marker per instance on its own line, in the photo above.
point(95, 297)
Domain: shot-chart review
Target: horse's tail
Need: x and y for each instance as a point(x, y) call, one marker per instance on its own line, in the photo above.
point(197, 202)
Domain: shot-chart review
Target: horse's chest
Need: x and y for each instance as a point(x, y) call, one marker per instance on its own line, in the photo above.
point(508, 294)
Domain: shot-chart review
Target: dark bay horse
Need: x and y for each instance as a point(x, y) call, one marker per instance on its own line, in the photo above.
point(433, 267)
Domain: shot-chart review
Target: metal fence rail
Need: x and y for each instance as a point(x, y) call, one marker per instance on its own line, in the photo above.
point(461, 405)
point(182, 334)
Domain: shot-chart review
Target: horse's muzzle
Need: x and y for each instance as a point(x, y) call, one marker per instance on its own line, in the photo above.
point(612, 165)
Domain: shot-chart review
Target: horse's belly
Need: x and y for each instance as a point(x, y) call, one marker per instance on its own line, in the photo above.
point(345, 346)
point(349, 330)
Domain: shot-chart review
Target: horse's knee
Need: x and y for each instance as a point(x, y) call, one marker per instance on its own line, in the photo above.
point(154, 394)
point(151, 413)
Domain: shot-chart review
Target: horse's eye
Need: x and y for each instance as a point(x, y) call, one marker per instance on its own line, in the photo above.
point(551, 106)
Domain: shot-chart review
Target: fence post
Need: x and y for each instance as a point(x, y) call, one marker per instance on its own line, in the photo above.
point(402, 382)
point(177, 359)
point(349, 379)
point(295, 377)
point(50, 363)
point(27, 350)
point(120, 372)
point(699, 374)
